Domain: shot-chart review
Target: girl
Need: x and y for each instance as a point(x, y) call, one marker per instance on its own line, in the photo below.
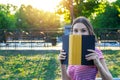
point(81, 26)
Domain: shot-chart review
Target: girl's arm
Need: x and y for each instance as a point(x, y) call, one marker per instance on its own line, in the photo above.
point(104, 72)
point(100, 64)
point(64, 73)
point(63, 67)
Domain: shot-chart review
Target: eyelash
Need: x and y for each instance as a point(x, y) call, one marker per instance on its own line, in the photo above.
point(75, 30)
point(81, 30)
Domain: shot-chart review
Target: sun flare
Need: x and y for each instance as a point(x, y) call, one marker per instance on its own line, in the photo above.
point(47, 5)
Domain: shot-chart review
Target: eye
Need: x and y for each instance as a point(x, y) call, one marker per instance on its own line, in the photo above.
point(75, 30)
point(83, 30)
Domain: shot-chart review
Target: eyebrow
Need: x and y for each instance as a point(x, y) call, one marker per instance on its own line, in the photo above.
point(84, 28)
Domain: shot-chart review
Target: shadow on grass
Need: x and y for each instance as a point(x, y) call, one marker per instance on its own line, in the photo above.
point(26, 52)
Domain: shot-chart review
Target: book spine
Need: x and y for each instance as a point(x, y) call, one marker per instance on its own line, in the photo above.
point(75, 50)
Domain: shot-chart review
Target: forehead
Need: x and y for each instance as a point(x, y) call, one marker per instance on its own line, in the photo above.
point(79, 25)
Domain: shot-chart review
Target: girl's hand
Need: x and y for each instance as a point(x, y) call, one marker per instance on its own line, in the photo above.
point(93, 56)
point(62, 55)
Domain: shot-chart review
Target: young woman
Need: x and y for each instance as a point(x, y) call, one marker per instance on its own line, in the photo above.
point(81, 26)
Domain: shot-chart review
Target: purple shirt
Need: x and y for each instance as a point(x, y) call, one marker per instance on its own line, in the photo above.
point(83, 72)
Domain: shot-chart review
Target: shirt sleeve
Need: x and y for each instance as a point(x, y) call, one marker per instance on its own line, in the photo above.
point(100, 54)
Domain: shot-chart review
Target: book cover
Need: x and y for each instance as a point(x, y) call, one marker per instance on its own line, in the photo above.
point(76, 47)
point(65, 47)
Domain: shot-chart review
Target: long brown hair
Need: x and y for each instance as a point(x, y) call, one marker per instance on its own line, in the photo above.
point(86, 22)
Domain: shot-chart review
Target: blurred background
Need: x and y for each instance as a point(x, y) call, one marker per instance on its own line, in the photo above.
point(31, 35)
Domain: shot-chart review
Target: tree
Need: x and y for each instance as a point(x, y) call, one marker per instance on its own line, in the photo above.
point(7, 19)
point(80, 8)
point(108, 18)
point(37, 22)
point(29, 17)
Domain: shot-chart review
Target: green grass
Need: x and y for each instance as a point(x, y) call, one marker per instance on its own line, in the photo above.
point(38, 65)
point(28, 66)
point(113, 61)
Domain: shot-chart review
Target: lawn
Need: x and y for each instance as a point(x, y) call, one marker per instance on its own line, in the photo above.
point(113, 61)
point(43, 65)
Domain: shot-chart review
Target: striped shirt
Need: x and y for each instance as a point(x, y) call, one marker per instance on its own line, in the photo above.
point(83, 72)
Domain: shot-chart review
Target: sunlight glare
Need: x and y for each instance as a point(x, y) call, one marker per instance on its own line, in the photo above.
point(46, 5)
point(111, 1)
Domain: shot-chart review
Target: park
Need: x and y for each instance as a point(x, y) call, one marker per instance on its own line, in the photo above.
point(31, 37)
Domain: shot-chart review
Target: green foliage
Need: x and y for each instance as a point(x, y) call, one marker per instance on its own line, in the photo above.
point(85, 7)
point(101, 13)
point(32, 18)
point(80, 8)
point(7, 20)
point(28, 66)
point(29, 17)
point(108, 18)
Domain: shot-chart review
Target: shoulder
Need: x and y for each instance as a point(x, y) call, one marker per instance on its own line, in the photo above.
point(99, 52)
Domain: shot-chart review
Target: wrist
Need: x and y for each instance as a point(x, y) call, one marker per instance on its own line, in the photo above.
point(63, 67)
point(97, 62)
